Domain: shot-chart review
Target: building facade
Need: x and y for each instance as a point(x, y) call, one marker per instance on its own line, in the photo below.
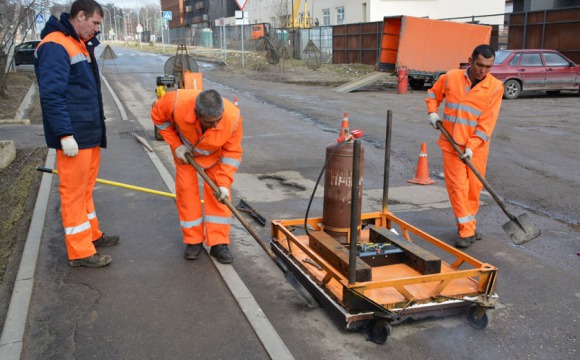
point(337, 12)
point(327, 12)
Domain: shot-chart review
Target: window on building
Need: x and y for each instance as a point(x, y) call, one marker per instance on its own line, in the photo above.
point(325, 16)
point(340, 15)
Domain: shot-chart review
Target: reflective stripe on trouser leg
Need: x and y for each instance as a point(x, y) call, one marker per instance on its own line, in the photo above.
point(188, 203)
point(74, 185)
point(217, 215)
point(458, 190)
point(479, 160)
point(94, 173)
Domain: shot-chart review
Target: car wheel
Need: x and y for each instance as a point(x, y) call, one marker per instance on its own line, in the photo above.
point(416, 84)
point(512, 89)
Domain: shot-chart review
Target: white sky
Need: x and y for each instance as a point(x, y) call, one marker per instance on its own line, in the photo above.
point(128, 3)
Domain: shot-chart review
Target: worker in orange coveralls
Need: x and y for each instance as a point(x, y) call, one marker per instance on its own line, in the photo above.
point(74, 124)
point(472, 103)
point(209, 128)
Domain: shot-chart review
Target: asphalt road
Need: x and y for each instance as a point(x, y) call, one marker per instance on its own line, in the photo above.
point(533, 163)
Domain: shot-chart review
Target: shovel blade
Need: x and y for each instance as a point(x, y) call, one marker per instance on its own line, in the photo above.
point(521, 230)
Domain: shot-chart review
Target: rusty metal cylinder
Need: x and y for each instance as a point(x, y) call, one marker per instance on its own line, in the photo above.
point(336, 211)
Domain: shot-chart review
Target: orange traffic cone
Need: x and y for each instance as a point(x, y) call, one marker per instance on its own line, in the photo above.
point(422, 174)
point(236, 101)
point(344, 127)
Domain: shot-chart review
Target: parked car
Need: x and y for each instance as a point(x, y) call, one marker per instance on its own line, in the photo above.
point(24, 53)
point(535, 69)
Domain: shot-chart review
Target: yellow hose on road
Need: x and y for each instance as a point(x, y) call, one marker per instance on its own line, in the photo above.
point(118, 184)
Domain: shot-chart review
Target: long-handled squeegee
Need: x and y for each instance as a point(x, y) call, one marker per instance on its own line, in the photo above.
point(287, 274)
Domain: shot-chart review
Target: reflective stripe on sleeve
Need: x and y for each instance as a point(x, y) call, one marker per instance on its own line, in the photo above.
point(481, 135)
point(163, 126)
point(431, 95)
point(203, 152)
point(92, 215)
point(230, 161)
point(78, 58)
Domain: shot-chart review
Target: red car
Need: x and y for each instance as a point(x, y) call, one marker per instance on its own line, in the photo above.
point(535, 69)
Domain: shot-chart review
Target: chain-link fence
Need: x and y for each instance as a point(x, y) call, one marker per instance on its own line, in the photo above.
point(230, 38)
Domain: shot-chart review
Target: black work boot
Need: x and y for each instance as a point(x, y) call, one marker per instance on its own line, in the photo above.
point(478, 236)
point(193, 251)
point(464, 242)
point(94, 261)
point(106, 240)
point(222, 254)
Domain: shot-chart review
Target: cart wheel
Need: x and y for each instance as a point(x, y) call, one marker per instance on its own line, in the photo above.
point(477, 317)
point(378, 331)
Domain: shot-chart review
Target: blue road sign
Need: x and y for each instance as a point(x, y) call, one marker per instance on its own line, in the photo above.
point(167, 15)
point(40, 18)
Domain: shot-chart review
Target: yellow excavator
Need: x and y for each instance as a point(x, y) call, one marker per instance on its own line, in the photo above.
point(294, 20)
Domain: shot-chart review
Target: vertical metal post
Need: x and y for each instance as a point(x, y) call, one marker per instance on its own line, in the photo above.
point(525, 30)
point(386, 172)
point(162, 30)
point(354, 211)
point(243, 15)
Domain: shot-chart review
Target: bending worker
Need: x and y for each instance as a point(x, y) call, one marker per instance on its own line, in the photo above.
point(74, 123)
point(472, 102)
point(209, 128)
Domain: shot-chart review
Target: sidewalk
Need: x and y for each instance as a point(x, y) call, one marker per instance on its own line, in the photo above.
point(150, 302)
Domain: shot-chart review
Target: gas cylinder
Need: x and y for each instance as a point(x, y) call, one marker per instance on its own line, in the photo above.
point(403, 80)
point(336, 211)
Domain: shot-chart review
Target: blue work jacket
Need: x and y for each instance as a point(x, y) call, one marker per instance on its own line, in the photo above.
point(69, 86)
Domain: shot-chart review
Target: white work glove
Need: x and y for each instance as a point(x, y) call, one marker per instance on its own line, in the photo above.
point(433, 118)
point(69, 146)
point(224, 194)
point(180, 153)
point(468, 154)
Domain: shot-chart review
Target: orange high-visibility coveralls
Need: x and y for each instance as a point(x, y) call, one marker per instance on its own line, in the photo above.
point(470, 115)
point(218, 150)
point(78, 176)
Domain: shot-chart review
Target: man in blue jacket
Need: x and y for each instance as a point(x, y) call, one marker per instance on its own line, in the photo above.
point(74, 124)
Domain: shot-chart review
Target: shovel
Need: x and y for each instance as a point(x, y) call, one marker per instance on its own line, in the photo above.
point(287, 274)
point(520, 229)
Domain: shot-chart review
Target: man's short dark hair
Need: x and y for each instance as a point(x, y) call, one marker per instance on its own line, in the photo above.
point(209, 103)
point(89, 7)
point(484, 50)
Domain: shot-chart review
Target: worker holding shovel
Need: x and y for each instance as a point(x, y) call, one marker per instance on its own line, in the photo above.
point(206, 128)
point(472, 103)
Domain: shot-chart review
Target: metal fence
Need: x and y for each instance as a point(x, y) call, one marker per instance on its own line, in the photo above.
point(230, 37)
point(558, 29)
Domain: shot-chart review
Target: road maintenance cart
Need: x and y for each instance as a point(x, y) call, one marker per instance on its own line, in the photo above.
point(398, 271)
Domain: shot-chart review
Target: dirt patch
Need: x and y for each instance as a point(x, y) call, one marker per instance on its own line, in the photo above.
point(19, 84)
point(19, 184)
point(289, 71)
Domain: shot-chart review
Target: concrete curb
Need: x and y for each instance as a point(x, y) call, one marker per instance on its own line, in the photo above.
point(26, 104)
point(15, 323)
